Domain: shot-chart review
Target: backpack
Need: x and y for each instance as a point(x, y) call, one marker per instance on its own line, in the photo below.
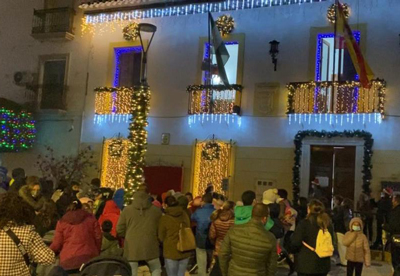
point(106, 266)
point(323, 246)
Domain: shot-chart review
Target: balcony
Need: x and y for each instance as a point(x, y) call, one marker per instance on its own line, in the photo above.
point(53, 97)
point(309, 101)
point(216, 101)
point(53, 24)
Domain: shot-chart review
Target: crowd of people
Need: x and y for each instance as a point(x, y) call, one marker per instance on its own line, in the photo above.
point(48, 230)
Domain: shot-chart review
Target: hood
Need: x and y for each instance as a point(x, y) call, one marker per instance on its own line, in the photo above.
point(243, 212)
point(141, 201)
point(111, 208)
point(175, 211)
point(226, 215)
point(119, 198)
point(356, 220)
point(75, 217)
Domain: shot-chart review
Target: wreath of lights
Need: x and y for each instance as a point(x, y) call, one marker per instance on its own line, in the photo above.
point(115, 148)
point(131, 31)
point(211, 151)
point(331, 13)
point(225, 24)
point(367, 166)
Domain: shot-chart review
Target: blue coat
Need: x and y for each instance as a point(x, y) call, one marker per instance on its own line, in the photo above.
point(202, 218)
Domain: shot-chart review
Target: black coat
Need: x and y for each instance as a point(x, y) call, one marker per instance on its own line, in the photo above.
point(341, 219)
point(305, 260)
point(393, 225)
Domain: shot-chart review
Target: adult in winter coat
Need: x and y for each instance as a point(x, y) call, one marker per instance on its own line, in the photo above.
point(18, 216)
point(393, 227)
point(18, 180)
point(306, 261)
point(111, 212)
point(224, 220)
point(382, 215)
point(168, 233)
point(68, 196)
point(249, 249)
point(31, 193)
point(358, 252)
point(138, 224)
point(203, 247)
point(77, 238)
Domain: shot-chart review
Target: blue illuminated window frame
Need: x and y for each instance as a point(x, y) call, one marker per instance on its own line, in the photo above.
point(207, 54)
point(118, 52)
point(356, 34)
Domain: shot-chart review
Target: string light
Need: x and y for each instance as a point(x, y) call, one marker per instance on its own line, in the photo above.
point(211, 171)
point(352, 98)
point(17, 130)
point(200, 8)
point(137, 148)
point(114, 163)
point(331, 13)
point(131, 31)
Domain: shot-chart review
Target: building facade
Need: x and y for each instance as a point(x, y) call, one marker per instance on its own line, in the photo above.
point(93, 53)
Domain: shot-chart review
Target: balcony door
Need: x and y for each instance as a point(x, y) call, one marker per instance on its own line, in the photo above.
point(334, 166)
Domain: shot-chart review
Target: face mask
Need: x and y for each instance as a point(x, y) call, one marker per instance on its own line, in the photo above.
point(34, 194)
point(356, 228)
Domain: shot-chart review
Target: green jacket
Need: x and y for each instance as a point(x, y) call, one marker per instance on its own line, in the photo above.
point(110, 246)
point(248, 250)
point(168, 232)
point(243, 214)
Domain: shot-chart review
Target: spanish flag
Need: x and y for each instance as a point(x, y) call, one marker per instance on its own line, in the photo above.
point(360, 64)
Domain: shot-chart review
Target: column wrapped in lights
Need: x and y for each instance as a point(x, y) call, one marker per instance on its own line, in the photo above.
point(17, 130)
point(138, 138)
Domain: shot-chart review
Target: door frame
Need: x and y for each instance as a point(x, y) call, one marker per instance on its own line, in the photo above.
point(307, 142)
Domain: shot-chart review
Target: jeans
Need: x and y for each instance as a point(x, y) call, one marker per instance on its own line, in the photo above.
point(201, 256)
point(176, 267)
point(351, 266)
point(341, 248)
point(154, 266)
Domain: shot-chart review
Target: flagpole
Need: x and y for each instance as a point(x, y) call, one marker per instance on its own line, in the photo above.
point(334, 58)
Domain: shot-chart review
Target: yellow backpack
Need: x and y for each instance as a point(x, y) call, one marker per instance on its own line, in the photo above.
point(324, 246)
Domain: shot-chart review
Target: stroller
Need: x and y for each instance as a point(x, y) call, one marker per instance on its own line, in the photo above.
point(106, 266)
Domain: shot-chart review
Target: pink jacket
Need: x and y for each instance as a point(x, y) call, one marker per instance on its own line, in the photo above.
point(357, 245)
point(77, 239)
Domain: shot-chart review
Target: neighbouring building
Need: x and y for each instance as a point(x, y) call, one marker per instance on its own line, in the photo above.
point(70, 48)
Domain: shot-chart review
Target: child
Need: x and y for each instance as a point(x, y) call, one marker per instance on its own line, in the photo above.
point(357, 245)
point(109, 245)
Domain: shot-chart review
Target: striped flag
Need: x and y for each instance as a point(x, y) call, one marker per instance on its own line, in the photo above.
point(221, 53)
point(360, 64)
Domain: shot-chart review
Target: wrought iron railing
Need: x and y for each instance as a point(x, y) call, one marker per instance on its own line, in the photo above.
point(336, 97)
point(53, 96)
point(214, 99)
point(59, 20)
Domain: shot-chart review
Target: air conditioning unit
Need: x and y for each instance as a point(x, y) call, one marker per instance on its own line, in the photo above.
point(23, 78)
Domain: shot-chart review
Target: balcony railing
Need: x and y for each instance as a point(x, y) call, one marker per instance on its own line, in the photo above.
point(336, 98)
point(53, 96)
point(214, 99)
point(53, 23)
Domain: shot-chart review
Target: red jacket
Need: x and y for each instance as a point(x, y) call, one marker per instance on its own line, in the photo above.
point(111, 212)
point(77, 239)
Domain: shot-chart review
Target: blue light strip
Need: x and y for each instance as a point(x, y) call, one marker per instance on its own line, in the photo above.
point(229, 5)
point(118, 52)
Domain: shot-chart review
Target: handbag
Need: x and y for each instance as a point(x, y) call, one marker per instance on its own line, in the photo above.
point(19, 245)
point(186, 241)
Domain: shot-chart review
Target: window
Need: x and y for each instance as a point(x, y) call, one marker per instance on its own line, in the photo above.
point(231, 67)
point(127, 66)
point(329, 64)
point(53, 88)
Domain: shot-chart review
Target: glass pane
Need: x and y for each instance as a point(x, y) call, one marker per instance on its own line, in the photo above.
point(53, 84)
